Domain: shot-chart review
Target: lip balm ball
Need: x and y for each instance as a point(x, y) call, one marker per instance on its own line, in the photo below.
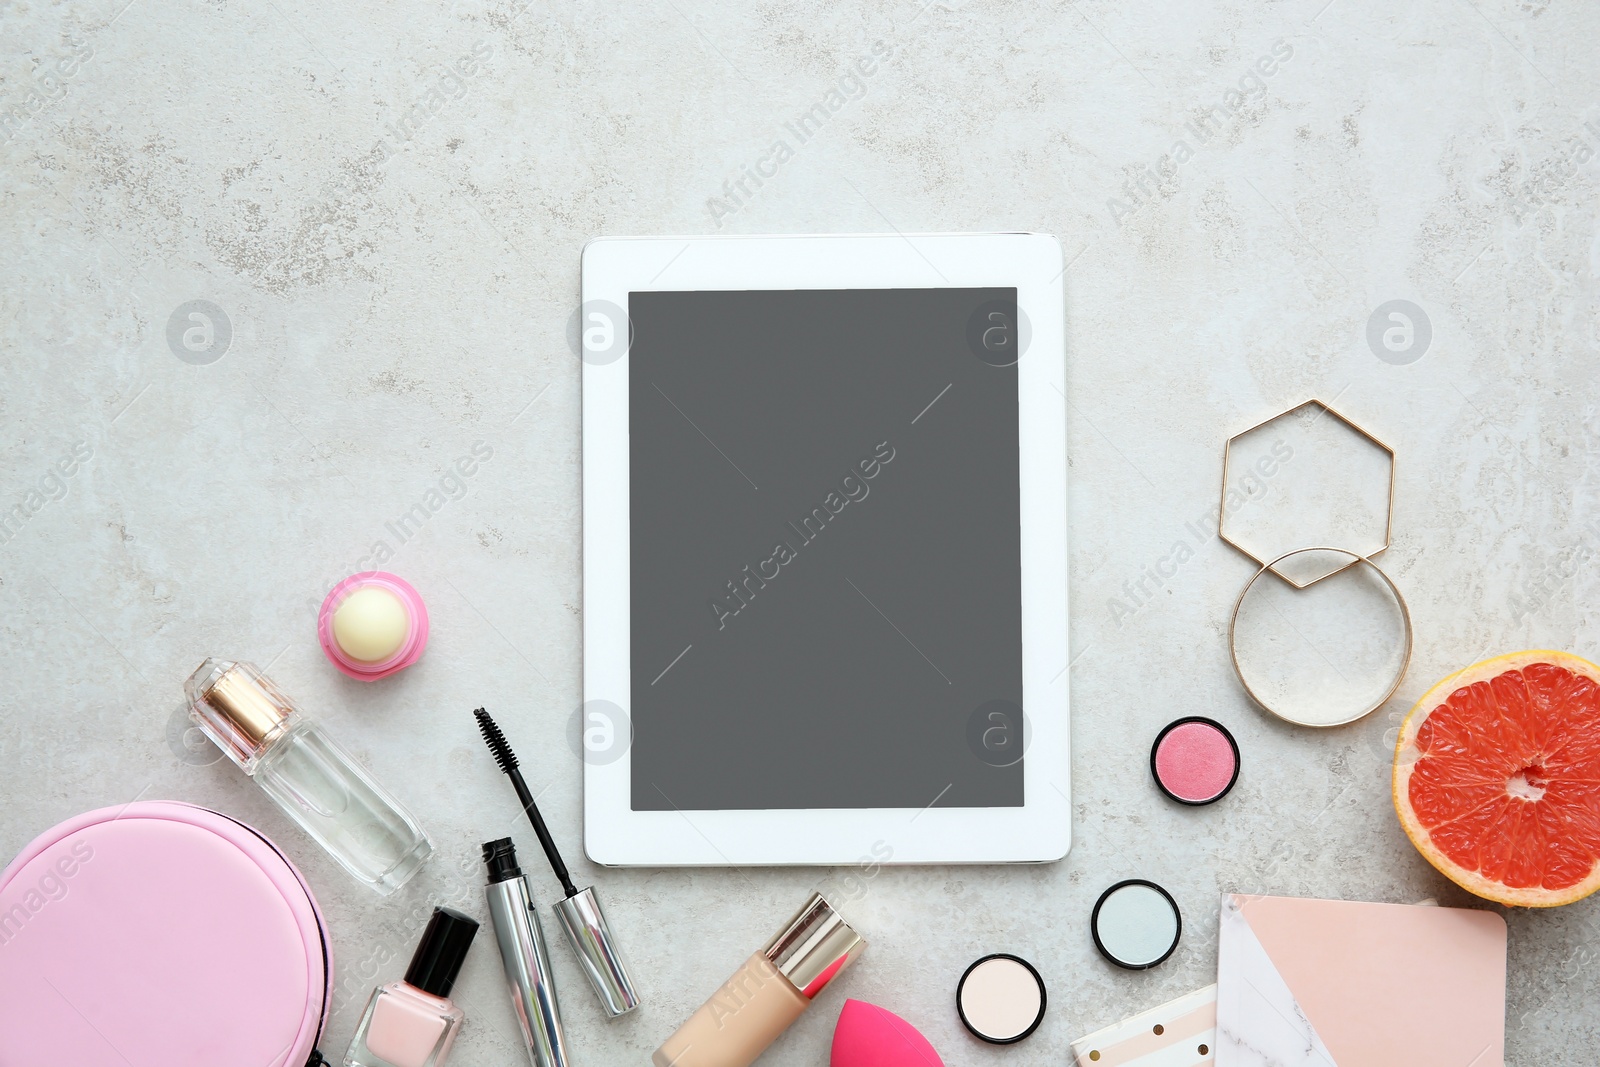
point(371, 624)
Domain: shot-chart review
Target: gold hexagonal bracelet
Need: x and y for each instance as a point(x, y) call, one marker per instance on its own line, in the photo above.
point(1271, 564)
point(1260, 561)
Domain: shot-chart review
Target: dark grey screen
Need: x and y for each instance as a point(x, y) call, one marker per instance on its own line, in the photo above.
point(826, 567)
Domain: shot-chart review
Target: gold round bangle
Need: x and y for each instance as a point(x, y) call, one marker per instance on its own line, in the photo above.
point(1233, 648)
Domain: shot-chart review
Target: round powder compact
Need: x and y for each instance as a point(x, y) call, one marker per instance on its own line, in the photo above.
point(1136, 924)
point(1195, 760)
point(1000, 999)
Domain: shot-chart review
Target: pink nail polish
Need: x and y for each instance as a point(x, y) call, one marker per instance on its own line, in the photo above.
point(413, 1023)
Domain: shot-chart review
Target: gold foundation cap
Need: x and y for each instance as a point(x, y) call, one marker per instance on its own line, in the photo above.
point(814, 947)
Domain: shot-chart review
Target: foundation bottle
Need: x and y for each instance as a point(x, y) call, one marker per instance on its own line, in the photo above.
point(767, 994)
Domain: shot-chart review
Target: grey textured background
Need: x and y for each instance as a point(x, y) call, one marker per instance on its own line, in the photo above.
point(387, 315)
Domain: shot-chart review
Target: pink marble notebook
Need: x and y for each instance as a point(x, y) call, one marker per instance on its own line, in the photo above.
point(1333, 983)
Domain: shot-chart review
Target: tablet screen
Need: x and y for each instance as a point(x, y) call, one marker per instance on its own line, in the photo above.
point(825, 549)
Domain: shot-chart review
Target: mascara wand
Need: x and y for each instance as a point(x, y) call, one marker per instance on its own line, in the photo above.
point(507, 760)
point(582, 919)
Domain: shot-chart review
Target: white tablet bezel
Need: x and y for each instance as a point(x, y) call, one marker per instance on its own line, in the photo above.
point(1040, 830)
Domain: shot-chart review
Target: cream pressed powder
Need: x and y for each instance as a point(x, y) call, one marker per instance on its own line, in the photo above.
point(1001, 999)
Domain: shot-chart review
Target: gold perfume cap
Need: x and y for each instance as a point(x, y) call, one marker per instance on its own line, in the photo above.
point(238, 707)
point(814, 947)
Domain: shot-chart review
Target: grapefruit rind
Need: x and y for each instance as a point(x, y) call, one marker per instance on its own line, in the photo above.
point(1406, 756)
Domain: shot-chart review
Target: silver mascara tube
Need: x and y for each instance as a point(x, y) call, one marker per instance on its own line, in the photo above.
point(527, 964)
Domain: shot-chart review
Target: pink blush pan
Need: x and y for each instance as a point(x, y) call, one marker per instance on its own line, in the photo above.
point(1195, 760)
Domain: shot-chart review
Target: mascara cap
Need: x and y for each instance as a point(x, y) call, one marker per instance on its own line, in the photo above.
point(584, 922)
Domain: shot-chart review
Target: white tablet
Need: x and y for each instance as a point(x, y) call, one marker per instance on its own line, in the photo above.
point(825, 550)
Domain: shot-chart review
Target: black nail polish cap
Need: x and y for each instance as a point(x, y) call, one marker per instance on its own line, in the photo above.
point(441, 952)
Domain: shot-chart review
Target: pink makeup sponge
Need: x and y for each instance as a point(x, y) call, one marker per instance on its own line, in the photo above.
point(870, 1036)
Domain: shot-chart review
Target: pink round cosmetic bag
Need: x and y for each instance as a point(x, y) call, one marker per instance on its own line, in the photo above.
point(159, 933)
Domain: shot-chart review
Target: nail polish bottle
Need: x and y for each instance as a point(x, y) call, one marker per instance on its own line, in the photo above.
point(413, 1023)
point(767, 994)
point(313, 780)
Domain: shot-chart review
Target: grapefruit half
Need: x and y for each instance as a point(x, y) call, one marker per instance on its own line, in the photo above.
point(1497, 778)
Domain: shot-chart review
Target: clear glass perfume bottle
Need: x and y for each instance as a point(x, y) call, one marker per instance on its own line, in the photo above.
point(413, 1023)
point(313, 780)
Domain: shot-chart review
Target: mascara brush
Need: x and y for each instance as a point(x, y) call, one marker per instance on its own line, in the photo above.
point(582, 918)
point(507, 760)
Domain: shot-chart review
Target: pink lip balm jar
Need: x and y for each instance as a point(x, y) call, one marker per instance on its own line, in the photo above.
point(373, 624)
